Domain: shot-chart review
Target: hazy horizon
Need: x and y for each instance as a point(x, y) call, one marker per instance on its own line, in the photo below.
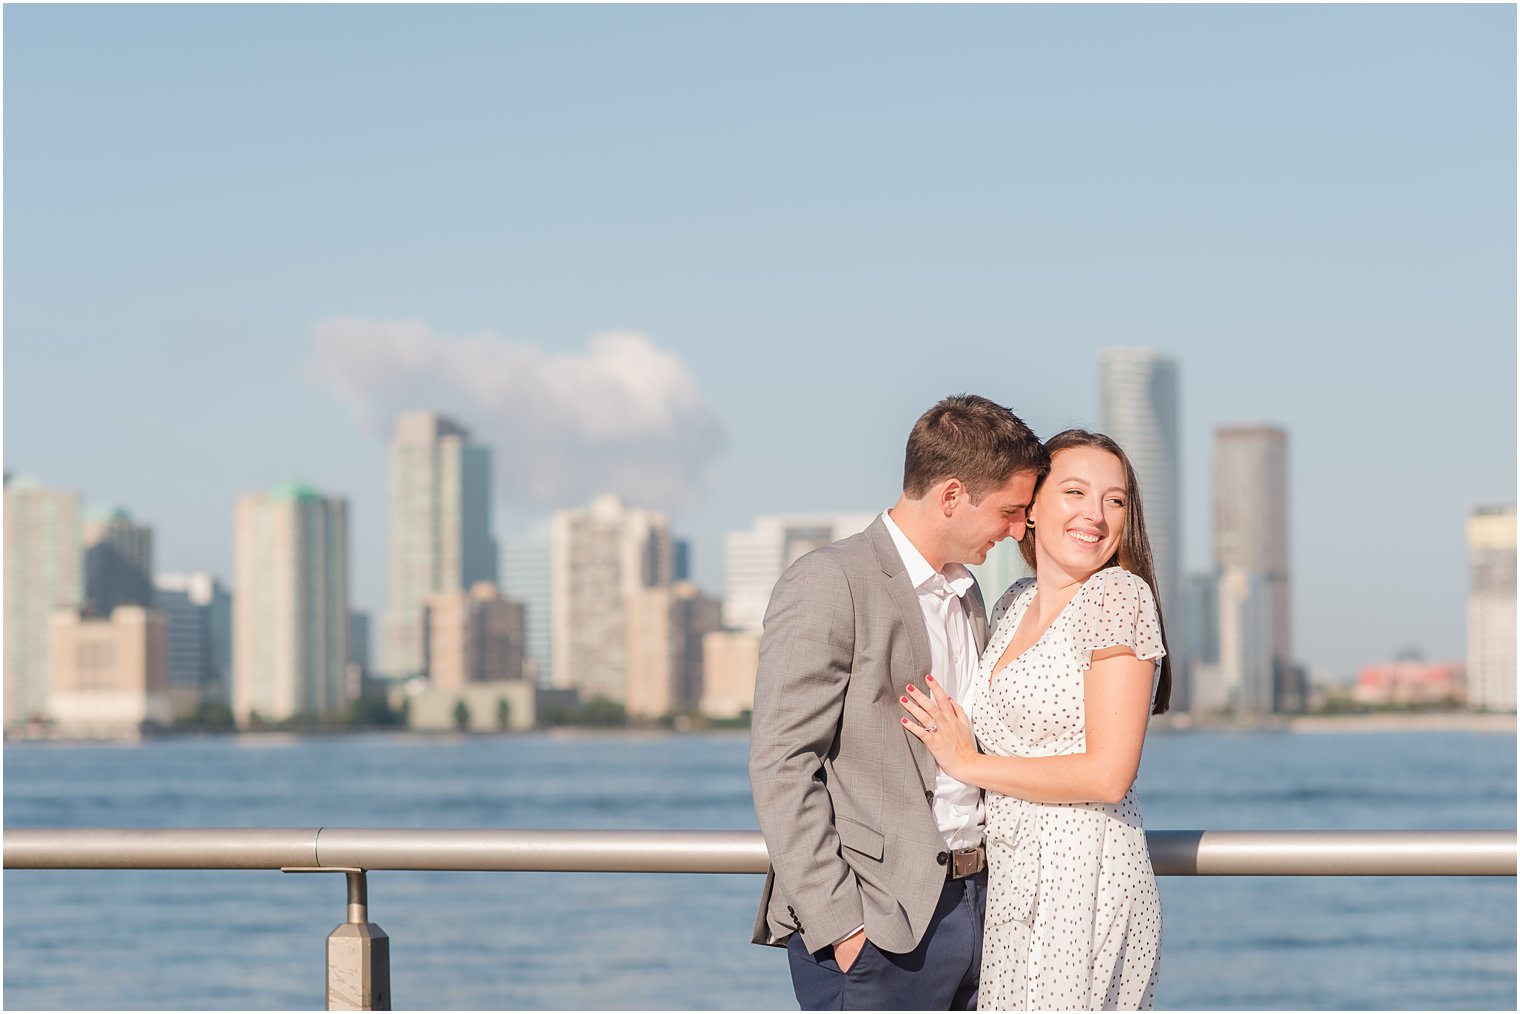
point(717, 259)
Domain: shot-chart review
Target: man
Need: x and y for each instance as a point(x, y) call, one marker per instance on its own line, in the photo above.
point(877, 881)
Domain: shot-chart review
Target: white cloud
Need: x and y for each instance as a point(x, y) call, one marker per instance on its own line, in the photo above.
point(623, 416)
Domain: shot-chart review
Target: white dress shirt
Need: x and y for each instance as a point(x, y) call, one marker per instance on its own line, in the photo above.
point(958, 808)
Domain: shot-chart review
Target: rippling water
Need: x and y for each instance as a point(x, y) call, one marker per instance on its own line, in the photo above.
point(228, 940)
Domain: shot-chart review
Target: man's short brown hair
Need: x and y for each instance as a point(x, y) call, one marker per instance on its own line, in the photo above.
point(972, 439)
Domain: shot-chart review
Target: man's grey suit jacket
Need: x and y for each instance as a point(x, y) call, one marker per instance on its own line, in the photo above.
point(844, 793)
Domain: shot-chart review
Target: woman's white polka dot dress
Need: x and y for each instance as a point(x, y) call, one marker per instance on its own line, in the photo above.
point(1073, 915)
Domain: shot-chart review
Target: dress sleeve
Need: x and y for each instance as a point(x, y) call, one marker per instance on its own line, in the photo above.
point(1119, 610)
point(1005, 602)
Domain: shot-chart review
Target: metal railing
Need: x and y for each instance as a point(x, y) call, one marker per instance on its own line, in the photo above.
point(358, 951)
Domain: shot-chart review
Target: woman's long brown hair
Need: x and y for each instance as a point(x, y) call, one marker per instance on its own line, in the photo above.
point(1134, 552)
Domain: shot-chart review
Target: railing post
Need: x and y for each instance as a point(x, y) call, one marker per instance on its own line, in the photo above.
point(358, 951)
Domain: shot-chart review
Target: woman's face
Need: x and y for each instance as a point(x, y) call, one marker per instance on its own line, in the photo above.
point(1079, 512)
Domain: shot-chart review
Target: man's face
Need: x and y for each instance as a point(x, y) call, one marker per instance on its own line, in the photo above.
point(977, 527)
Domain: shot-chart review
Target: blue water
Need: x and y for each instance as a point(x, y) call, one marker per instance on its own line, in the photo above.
point(229, 940)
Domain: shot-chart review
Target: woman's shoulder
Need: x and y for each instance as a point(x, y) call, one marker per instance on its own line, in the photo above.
point(1012, 593)
point(1117, 584)
point(1006, 601)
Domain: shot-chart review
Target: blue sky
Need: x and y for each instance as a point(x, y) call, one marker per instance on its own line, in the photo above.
point(237, 238)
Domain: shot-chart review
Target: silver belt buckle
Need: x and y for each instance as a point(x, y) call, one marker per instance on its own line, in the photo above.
point(967, 862)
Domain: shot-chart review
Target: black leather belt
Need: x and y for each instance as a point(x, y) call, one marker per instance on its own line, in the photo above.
point(963, 863)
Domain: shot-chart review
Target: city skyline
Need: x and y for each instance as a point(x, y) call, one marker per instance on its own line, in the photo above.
point(1310, 210)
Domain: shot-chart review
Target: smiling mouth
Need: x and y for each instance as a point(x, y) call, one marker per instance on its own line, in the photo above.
point(1090, 539)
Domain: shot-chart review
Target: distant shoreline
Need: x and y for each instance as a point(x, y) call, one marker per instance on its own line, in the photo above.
point(1388, 721)
point(1434, 721)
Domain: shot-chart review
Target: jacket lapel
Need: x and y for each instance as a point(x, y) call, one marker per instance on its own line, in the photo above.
point(906, 599)
point(976, 609)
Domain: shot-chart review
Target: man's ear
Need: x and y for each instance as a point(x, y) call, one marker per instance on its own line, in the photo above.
point(952, 494)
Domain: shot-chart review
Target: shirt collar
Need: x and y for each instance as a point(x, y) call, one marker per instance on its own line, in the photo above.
point(955, 576)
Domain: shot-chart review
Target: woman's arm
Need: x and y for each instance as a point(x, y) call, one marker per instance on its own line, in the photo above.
point(1117, 700)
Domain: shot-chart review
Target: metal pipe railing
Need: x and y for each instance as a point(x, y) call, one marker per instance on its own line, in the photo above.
point(1490, 853)
point(358, 951)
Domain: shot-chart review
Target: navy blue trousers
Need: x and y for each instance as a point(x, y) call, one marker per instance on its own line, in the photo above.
point(941, 973)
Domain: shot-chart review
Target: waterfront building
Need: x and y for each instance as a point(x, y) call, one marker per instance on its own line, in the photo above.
point(43, 572)
point(1140, 407)
point(525, 579)
point(197, 613)
point(599, 557)
point(290, 614)
point(730, 660)
point(440, 521)
point(666, 625)
point(118, 561)
point(1411, 681)
point(1491, 608)
point(757, 558)
point(474, 636)
point(358, 641)
point(1251, 556)
point(493, 706)
point(109, 673)
point(1195, 666)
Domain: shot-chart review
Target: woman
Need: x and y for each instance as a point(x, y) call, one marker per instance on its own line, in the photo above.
point(1076, 667)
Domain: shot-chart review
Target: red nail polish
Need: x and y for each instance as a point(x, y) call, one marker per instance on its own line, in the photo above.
point(910, 687)
point(903, 699)
point(929, 679)
point(905, 721)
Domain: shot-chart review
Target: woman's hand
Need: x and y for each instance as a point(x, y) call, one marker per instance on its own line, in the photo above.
point(942, 726)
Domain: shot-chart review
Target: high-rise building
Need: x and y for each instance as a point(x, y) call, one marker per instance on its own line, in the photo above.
point(290, 612)
point(1491, 608)
point(197, 613)
point(43, 572)
point(1251, 555)
point(108, 672)
point(474, 636)
point(525, 579)
point(665, 664)
point(1195, 660)
point(1140, 407)
point(118, 561)
point(757, 558)
point(600, 556)
point(730, 662)
point(440, 529)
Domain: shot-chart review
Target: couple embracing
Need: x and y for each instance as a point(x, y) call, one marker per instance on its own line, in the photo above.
point(947, 802)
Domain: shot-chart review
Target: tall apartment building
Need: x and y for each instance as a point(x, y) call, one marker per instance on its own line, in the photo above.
point(118, 561)
point(757, 558)
point(440, 529)
point(43, 572)
point(1491, 608)
point(525, 579)
point(665, 662)
point(599, 557)
point(474, 636)
point(109, 672)
point(197, 613)
point(290, 614)
point(730, 663)
point(1256, 670)
point(1139, 405)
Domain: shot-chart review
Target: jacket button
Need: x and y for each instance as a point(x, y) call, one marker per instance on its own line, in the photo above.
point(929, 795)
point(942, 858)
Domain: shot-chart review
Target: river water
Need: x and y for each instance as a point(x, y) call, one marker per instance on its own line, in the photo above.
point(232, 940)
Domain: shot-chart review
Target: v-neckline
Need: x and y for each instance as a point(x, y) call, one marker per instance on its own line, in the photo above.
point(1023, 610)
